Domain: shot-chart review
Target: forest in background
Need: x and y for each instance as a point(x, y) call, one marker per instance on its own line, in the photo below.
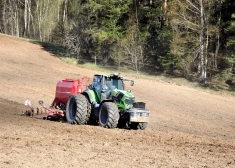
point(194, 39)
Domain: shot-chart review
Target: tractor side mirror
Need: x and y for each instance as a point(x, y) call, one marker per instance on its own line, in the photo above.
point(40, 102)
point(132, 83)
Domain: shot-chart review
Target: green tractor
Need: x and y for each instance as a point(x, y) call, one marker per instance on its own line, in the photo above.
point(107, 103)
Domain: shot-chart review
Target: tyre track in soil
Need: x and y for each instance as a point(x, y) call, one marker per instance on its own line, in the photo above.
point(189, 127)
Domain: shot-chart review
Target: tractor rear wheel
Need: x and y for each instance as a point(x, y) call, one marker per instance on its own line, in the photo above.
point(88, 117)
point(137, 126)
point(108, 115)
point(76, 109)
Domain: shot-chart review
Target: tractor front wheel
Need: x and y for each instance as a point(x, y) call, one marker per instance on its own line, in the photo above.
point(137, 126)
point(76, 109)
point(108, 115)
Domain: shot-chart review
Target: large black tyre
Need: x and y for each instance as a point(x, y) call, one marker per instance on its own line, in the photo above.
point(76, 109)
point(137, 126)
point(108, 115)
point(88, 117)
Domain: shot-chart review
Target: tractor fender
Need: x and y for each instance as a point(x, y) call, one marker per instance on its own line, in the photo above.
point(89, 96)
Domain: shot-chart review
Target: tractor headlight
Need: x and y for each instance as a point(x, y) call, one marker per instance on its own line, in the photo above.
point(144, 114)
point(139, 114)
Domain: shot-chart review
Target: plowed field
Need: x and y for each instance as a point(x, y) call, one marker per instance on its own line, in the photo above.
point(189, 127)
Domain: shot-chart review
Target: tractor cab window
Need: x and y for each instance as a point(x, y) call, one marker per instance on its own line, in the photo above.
point(118, 83)
point(97, 83)
point(114, 83)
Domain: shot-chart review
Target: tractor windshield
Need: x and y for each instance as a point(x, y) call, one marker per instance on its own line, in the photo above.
point(114, 83)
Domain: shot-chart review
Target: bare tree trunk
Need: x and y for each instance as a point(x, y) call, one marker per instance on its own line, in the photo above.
point(34, 25)
point(95, 59)
point(58, 14)
point(25, 17)
point(65, 10)
point(141, 56)
point(138, 36)
point(217, 50)
point(165, 7)
point(39, 19)
point(218, 37)
point(202, 56)
point(17, 32)
point(4, 17)
point(206, 53)
point(11, 17)
point(30, 17)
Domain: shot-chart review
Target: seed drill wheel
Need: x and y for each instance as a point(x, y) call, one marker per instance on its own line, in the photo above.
point(35, 111)
point(108, 115)
point(43, 111)
point(76, 109)
point(40, 111)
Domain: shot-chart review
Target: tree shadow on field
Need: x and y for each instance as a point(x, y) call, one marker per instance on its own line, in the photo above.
point(55, 49)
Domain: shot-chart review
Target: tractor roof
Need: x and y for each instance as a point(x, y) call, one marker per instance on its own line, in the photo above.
point(116, 75)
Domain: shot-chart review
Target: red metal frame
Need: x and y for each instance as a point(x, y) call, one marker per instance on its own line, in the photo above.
point(53, 114)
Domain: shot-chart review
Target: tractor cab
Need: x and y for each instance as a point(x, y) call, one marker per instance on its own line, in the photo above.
point(105, 84)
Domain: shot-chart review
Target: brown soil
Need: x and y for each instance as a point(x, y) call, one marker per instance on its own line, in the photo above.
point(188, 127)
